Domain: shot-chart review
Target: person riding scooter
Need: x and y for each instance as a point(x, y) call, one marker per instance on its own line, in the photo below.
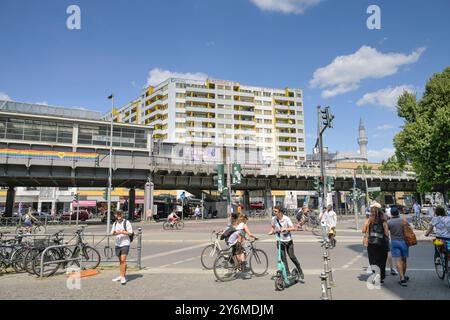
point(284, 225)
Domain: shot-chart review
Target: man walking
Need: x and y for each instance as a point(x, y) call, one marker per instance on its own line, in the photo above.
point(122, 229)
point(416, 209)
point(399, 248)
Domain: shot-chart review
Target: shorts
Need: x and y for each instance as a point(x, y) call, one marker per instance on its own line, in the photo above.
point(27, 223)
point(237, 248)
point(122, 251)
point(399, 248)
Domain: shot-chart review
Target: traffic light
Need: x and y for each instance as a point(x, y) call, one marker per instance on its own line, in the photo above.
point(236, 175)
point(330, 182)
point(317, 183)
point(76, 197)
point(219, 179)
point(327, 117)
point(105, 194)
point(97, 161)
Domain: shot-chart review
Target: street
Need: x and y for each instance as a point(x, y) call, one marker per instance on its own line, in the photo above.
point(172, 270)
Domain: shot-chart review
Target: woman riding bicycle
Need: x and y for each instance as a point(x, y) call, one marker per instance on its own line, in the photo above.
point(172, 217)
point(28, 221)
point(440, 223)
point(237, 238)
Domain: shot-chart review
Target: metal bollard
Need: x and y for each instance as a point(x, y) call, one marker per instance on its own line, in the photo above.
point(323, 282)
point(139, 248)
point(330, 271)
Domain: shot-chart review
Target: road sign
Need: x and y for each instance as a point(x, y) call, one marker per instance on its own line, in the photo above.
point(373, 189)
point(236, 175)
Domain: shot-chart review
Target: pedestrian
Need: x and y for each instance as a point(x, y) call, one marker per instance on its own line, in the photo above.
point(283, 224)
point(377, 232)
point(330, 225)
point(416, 209)
point(387, 210)
point(399, 248)
point(122, 229)
point(197, 212)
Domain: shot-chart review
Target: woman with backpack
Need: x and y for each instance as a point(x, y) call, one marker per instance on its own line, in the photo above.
point(377, 232)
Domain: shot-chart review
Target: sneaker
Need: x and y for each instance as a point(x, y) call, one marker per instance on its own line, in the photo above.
point(394, 272)
point(403, 283)
point(123, 280)
point(117, 279)
point(406, 278)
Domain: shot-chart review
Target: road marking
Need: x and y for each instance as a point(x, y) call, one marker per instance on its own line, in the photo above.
point(190, 259)
point(167, 253)
point(347, 265)
point(178, 262)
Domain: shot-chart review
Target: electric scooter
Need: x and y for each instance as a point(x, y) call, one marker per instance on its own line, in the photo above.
point(282, 279)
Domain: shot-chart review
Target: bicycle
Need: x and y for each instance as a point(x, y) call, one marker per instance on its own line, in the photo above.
point(173, 225)
point(422, 223)
point(442, 258)
point(210, 252)
point(314, 225)
point(226, 265)
point(62, 257)
point(37, 228)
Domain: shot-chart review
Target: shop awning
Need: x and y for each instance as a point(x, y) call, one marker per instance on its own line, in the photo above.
point(85, 203)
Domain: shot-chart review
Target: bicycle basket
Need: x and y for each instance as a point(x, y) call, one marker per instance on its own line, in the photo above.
point(438, 242)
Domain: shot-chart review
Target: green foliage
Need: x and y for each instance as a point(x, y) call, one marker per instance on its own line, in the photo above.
point(425, 137)
point(392, 164)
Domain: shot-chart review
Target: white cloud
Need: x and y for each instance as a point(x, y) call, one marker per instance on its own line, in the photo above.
point(45, 103)
point(345, 73)
point(4, 96)
point(285, 6)
point(386, 97)
point(379, 155)
point(385, 127)
point(156, 76)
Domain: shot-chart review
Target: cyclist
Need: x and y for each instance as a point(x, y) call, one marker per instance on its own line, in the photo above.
point(302, 218)
point(283, 225)
point(28, 221)
point(172, 217)
point(440, 223)
point(237, 238)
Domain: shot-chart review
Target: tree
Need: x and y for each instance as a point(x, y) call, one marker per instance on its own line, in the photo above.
point(392, 164)
point(424, 141)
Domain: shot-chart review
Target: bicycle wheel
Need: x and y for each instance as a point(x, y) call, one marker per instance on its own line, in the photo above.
point(209, 255)
point(317, 229)
point(166, 225)
point(28, 259)
point(258, 262)
point(439, 263)
point(52, 262)
point(447, 265)
point(39, 229)
point(17, 259)
point(224, 268)
point(91, 258)
point(180, 225)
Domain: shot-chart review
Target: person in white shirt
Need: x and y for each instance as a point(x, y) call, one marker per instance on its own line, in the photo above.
point(330, 221)
point(283, 225)
point(388, 211)
point(122, 229)
point(440, 224)
point(197, 212)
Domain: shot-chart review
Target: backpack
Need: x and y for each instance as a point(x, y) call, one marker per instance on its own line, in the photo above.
point(125, 228)
point(376, 234)
point(227, 233)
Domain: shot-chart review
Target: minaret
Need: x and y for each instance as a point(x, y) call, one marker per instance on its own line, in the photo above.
point(362, 140)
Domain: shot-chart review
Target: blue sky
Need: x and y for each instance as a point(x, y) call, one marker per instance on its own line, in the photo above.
point(273, 43)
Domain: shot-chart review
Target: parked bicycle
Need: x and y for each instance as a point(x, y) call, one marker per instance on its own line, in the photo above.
point(226, 265)
point(421, 223)
point(61, 257)
point(211, 251)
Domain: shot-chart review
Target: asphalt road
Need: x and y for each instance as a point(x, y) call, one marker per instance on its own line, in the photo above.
point(172, 270)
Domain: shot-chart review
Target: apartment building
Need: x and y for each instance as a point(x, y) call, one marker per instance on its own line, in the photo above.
point(218, 112)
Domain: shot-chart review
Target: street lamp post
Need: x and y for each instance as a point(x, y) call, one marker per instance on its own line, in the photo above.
point(108, 218)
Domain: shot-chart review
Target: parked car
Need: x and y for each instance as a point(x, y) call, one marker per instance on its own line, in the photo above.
point(83, 215)
point(42, 215)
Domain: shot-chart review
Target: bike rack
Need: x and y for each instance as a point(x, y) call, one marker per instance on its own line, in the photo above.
point(80, 258)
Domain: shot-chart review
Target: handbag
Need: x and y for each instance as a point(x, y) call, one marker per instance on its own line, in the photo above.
point(408, 233)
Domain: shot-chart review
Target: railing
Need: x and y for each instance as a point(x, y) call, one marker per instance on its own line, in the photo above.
point(197, 164)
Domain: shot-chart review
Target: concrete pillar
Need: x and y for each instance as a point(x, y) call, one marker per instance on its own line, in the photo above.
point(148, 201)
point(75, 137)
point(10, 195)
point(118, 206)
point(131, 203)
point(268, 200)
point(246, 199)
point(53, 209)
